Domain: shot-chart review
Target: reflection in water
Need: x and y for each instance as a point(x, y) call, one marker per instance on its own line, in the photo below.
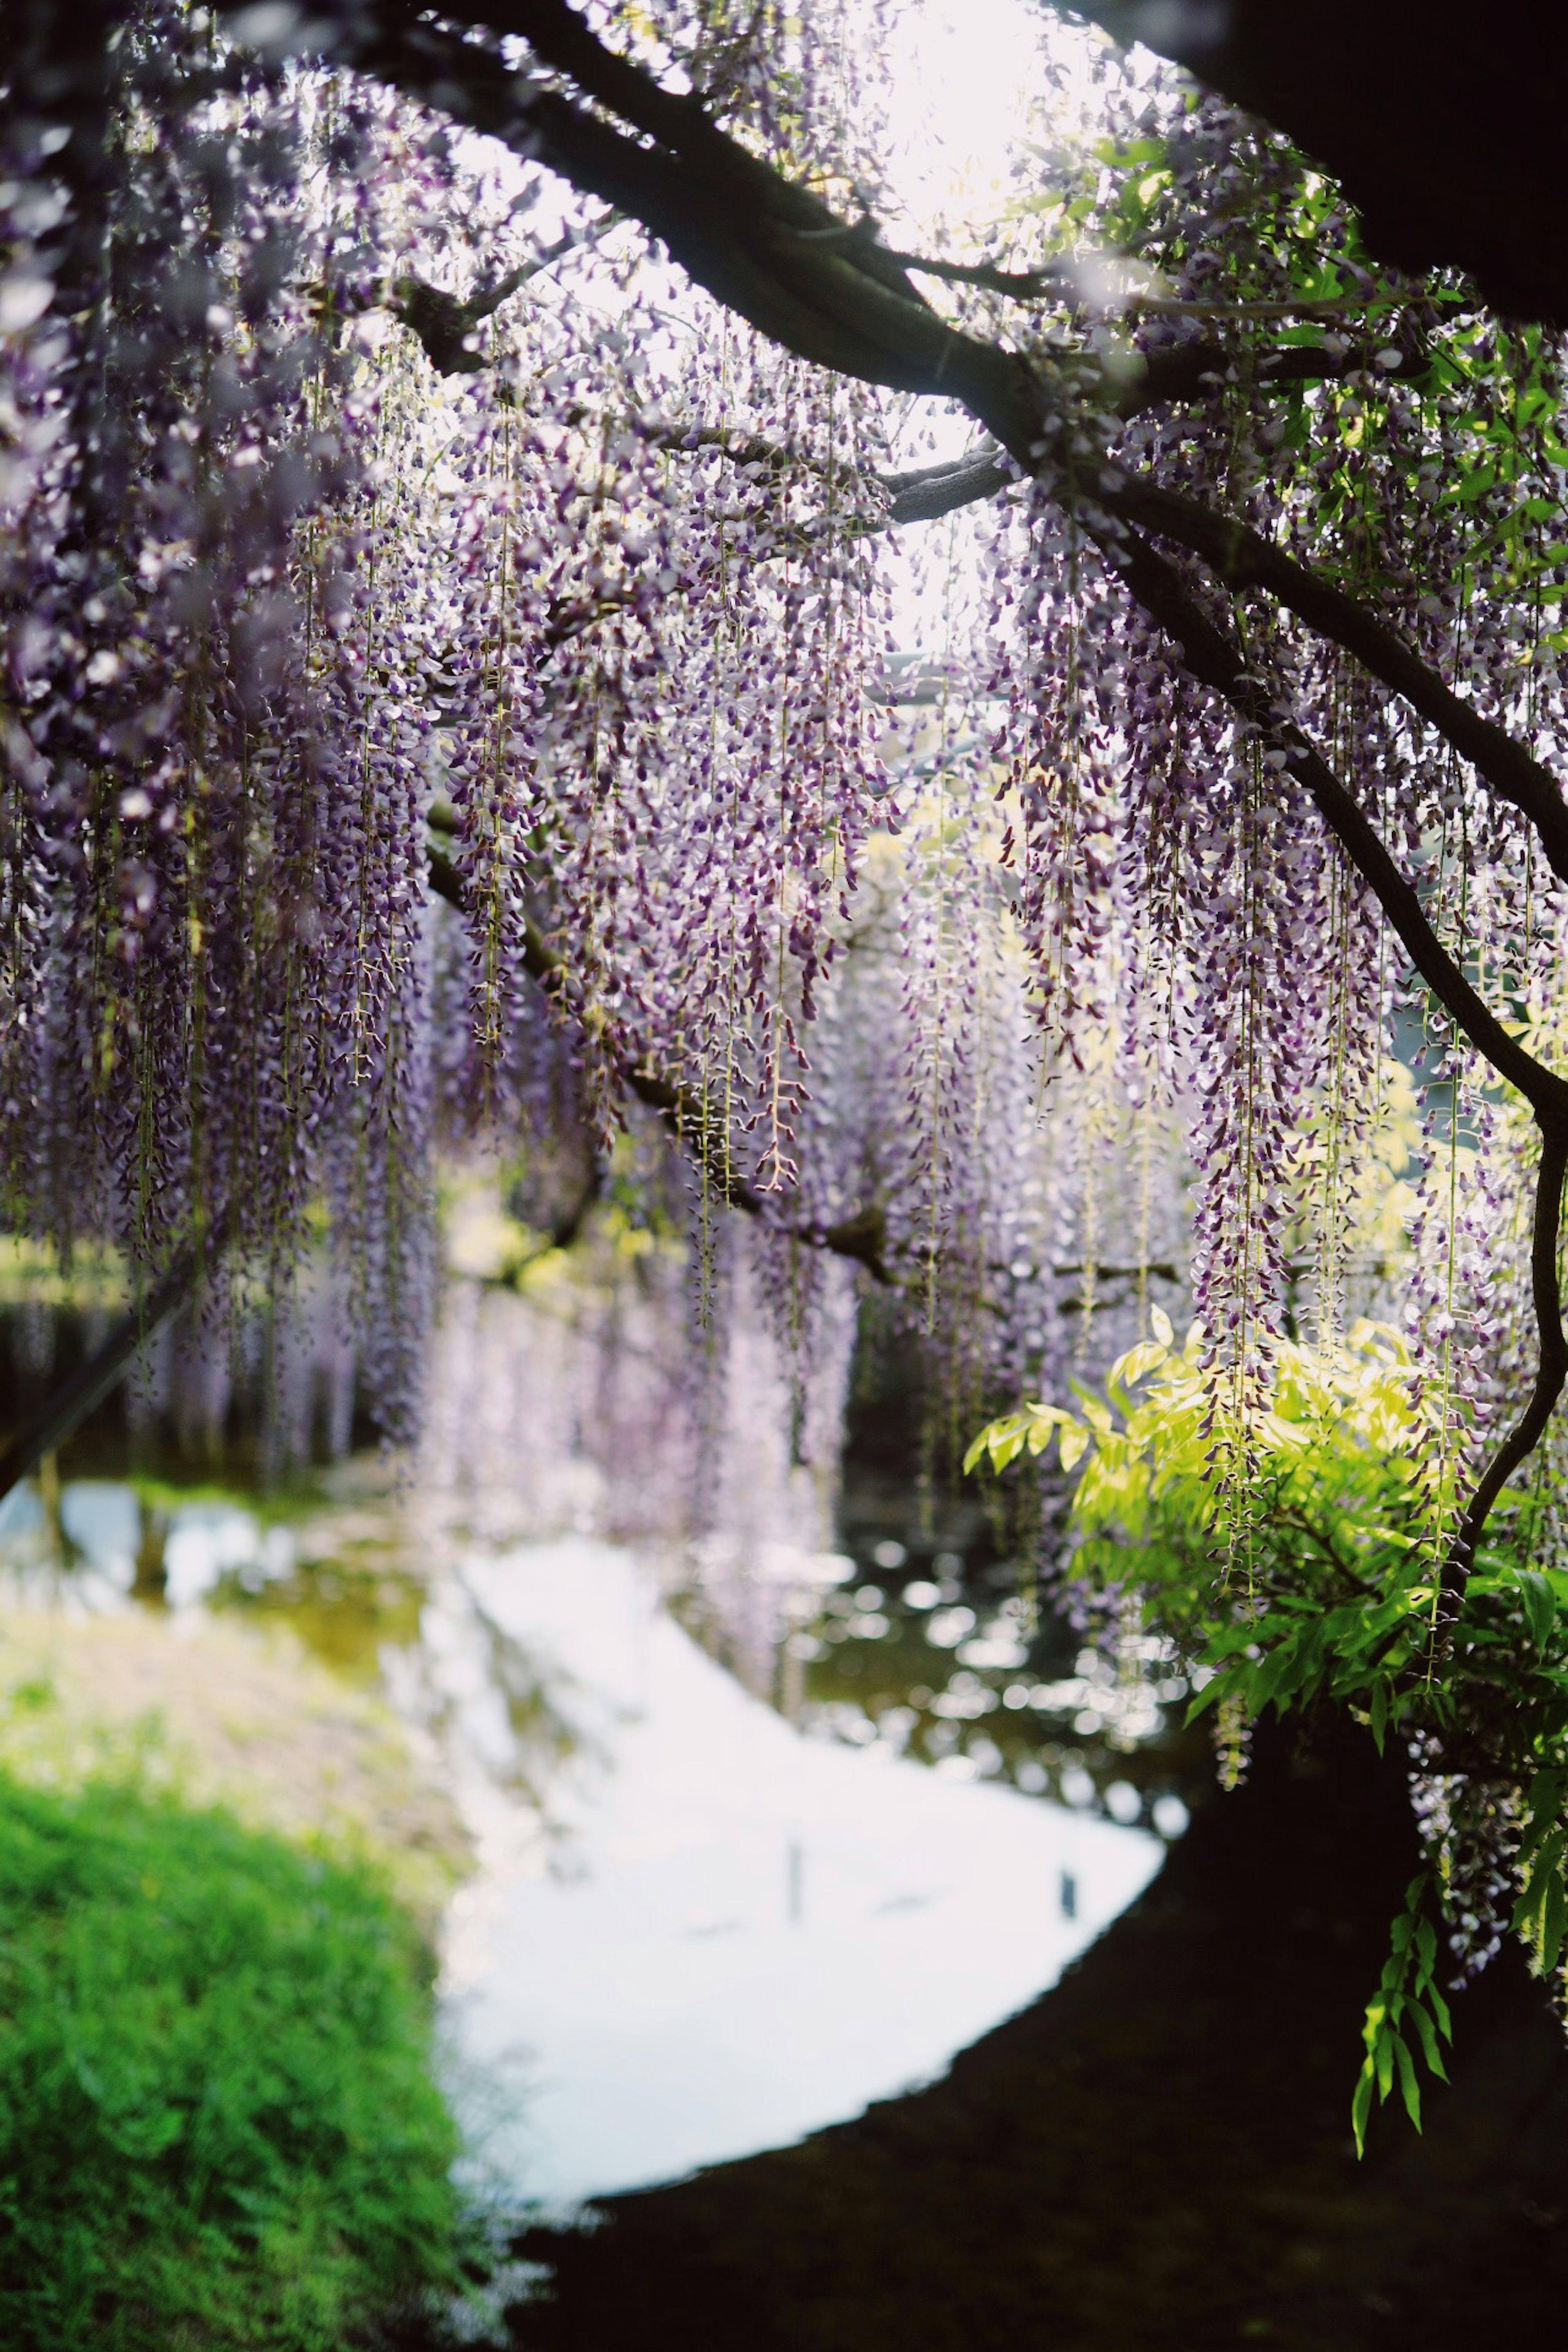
point(740, 1933)
point(695, 1929)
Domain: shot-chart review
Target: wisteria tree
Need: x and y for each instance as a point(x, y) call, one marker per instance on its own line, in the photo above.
point(455, 470)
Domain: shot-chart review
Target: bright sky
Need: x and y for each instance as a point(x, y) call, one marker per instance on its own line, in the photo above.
point(967, 80)
point(961, 74)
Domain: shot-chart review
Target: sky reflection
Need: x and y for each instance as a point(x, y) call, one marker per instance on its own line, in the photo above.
point(738, 1933)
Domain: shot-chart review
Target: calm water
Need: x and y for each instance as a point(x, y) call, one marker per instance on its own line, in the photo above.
point(697, 1927)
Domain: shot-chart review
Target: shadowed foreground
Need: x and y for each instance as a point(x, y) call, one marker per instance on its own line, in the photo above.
point(1156, 2153)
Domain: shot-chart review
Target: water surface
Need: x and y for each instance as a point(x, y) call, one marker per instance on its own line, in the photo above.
point(695, 1929)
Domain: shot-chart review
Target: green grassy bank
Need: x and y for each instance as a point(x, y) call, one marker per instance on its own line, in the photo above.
point(218, 2125)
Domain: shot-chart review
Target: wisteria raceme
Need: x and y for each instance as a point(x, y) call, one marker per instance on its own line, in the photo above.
point(219, 883)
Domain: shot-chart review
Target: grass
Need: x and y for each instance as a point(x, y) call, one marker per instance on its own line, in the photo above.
point(218, 2125)
point(222, 1714)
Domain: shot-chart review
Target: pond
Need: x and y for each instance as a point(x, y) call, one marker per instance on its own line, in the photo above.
point(702, 1919)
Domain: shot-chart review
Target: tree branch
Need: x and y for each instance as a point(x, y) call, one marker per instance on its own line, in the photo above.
point(862, 1236)
point(761, 244)
point(1551, 1373)
point(445, 323)
point(1067, 280)
point(930, 491)
point(1242, 559)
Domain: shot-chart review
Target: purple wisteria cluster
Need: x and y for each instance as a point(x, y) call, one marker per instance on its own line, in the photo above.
point(213, 777)
point(377, 524)
point(276, 593)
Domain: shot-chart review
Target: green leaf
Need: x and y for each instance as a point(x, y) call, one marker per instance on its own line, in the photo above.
point(1002, 1440)
point(1138, 1360)
point(1542, 1911)
point(1383, 2058)
point(1407, 2082)
point(1428, 2039)
point(1540, 1602)
point(1095, 1410)
point(1212, 1692)
point(1379, 1711)
point(1361, 2105)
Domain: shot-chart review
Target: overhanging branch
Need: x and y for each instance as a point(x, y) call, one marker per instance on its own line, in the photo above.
point(1242, 558)
point(776, 255)
point(1551, 1373)
point(862, 1236)
point(66, 1406)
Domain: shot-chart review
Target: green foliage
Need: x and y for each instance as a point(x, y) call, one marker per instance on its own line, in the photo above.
point(1541, 1914)
point(1481, 448)
point(217, 2122)
point(1319, 1580)
point(1288, 1534)
point(1407, 1998)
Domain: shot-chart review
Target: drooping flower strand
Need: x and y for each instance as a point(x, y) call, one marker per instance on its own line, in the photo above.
point(225, 790)
point(145, 668)
point(652, 745)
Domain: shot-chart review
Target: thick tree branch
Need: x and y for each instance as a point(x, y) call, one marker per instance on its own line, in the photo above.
point(446, 323)
point(65, 1407)
point(929, 491)
point(1066, 281)
point(765, 247)
point(1242, 558)
point(862, 1237)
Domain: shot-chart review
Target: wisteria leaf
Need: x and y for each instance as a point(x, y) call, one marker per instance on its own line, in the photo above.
point(1407, 2082)
point(1540, 1603)
point(1426, 2032)
point(1143, 1358)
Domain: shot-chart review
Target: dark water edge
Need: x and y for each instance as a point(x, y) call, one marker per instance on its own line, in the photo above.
point(1156, 2153)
